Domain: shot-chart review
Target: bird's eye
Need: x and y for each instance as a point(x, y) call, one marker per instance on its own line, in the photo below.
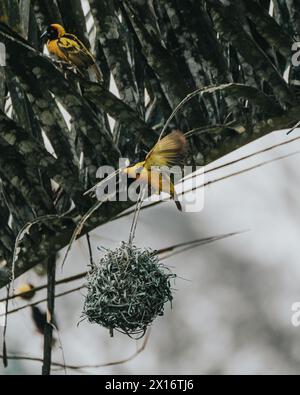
point(52, 33)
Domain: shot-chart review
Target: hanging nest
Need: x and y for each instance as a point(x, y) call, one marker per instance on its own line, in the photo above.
point(127, 290)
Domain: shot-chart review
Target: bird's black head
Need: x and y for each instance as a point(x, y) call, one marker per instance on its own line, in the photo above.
point(53, 32)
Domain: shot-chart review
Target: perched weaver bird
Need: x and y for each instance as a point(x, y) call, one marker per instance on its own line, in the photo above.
point(69, 48)
point(167, 153)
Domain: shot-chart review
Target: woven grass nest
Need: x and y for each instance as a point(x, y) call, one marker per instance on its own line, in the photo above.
point(127, 290)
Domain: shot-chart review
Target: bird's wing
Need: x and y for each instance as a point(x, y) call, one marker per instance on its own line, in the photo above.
point(169, 151)
point(75, 51)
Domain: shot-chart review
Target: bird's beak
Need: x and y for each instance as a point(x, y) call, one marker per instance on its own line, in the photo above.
point(43, 35)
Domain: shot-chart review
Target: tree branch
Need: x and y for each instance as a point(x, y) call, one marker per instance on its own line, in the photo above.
point(48, 332)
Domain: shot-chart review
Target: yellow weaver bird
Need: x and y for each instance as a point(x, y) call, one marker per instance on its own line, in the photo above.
point(69, 48)
point(167, 152)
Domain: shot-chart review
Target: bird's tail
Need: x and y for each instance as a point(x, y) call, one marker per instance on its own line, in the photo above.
point(178, 204)
point(175, 196)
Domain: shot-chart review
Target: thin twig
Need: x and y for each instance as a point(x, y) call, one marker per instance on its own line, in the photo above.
point(243, 158)
point(41, 287)
point(79, 228)
point(180, 105)
point(96, 366)
point(267, 162)
point(138, 206)
point(295, 127)
point(45, 300)
point(183, 247)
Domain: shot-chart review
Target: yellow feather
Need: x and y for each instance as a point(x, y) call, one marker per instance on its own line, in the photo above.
point(75, 51)
point(167, 152)
point(60, 30)
point(54, 49)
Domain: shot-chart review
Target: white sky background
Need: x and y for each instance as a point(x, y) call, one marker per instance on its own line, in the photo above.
point(233, 315)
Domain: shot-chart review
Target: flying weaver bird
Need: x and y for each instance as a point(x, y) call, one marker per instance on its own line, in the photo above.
point(69, 48)
point(168, 152)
